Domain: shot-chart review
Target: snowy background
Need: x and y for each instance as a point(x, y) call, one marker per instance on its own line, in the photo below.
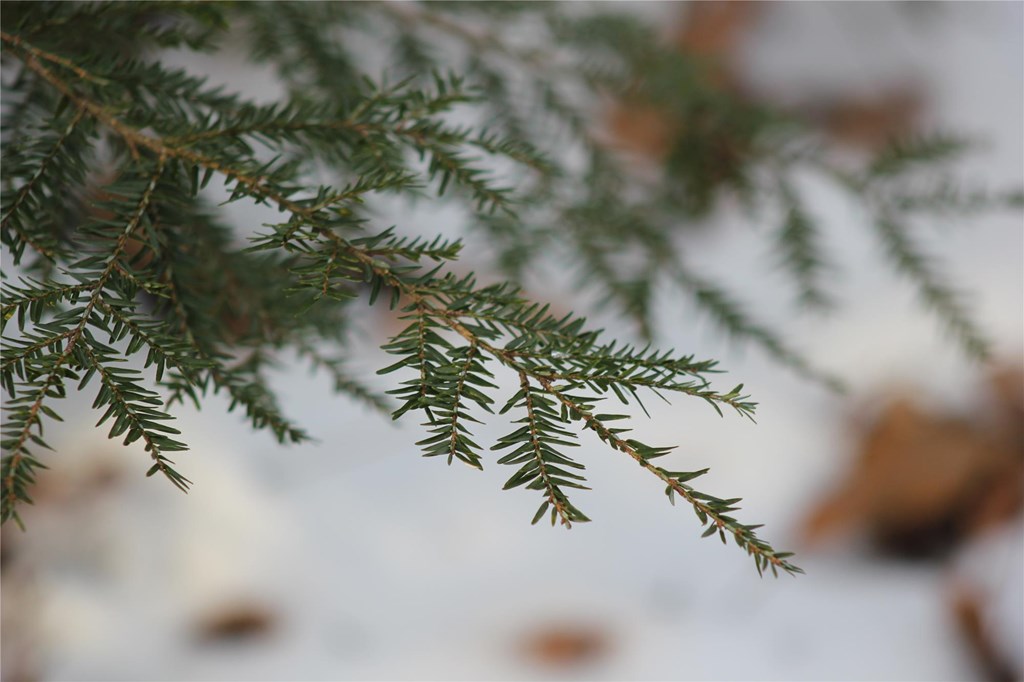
point(375, 563)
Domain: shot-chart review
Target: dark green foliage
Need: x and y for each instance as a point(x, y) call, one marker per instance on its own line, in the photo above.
point(800, 249)
point(109, 156)
point(543, 467)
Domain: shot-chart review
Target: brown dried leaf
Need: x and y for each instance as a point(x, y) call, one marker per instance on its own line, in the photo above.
point(566, 646)
point(923, 481)
point(236, 622)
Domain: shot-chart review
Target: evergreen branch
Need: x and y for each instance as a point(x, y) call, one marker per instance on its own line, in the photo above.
point(158, 275)
point(18, 476)
point(18, 466)
point(552, 336)
point(628, 358)
point(909, 260)
point(387, 245)
point(710, 507)
point(710, 510)
point(539, 470)
point(412, 344)
point(906, 257)
point(452, 390)
point(308, 58)
point(904, 154)
point(450, 165)
point(480, 41)
point(801, 253)
point(172, 98)
point(129, 404)
point(163, 351)
point(33, 60)
point(406, 125)
point(632, 296)
point(264, 128)
point(516, 150)
point(602, 383)
point(260, 407)
point(419, 342)
point(38, 54)
point(14, 359)
point(458, 443)
point(17, 116)
point(343, 382)
point(31, 301)
point(626, 227)
point(732, 318)
point(136, 139)
point(252, 185)
point(948, 197)
point(25, 190)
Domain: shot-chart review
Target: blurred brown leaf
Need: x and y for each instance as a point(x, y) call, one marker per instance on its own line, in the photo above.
point(922, 481)
point(709, 30)
point(969, 614)
point(642, 129)
point(870, 122)
point(714, 31)
point(236, 622)
point(566, 646)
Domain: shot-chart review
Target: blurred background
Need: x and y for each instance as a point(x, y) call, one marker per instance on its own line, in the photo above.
point(355, 558)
